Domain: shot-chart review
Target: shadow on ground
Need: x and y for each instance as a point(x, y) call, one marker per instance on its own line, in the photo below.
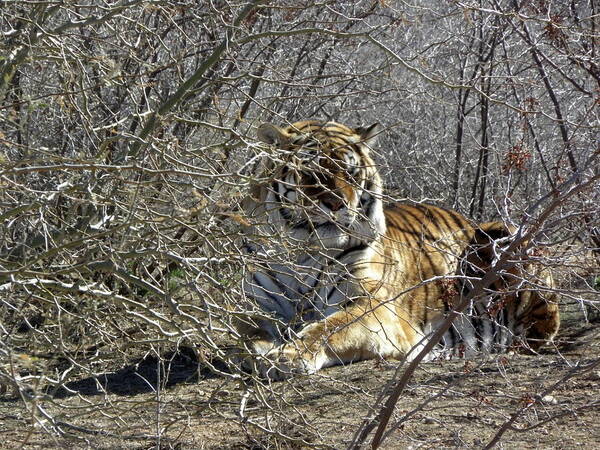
point(144, 375)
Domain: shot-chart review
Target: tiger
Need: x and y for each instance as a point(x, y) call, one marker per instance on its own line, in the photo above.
point(368, 280)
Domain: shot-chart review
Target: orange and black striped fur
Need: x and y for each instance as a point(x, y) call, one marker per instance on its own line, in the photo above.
point(368, 281)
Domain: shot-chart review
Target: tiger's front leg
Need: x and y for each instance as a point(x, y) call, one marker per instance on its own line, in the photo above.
point(365, 330)
point(289, 359)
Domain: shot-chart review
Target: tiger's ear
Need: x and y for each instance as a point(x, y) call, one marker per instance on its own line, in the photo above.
point(271, 134)
point(369, 134)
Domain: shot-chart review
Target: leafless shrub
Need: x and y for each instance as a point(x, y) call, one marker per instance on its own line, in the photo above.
point(125, 132)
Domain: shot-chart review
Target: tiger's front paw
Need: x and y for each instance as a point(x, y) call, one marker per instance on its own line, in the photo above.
point(286, 361)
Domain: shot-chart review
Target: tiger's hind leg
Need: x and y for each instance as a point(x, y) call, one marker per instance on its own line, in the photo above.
point(525, 293)
point(539, 310)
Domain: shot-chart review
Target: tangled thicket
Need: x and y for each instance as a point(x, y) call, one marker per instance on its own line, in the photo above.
point(125, 128)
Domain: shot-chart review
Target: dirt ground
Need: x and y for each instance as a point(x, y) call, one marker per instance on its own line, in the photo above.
point(451, 404)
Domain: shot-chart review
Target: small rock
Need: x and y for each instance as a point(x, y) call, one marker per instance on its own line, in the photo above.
point(549, 400)
point(429, 420)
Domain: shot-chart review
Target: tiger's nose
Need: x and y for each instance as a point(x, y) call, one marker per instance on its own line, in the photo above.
point(333, 202)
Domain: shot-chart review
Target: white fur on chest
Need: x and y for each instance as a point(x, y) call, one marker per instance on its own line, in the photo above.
point(310, 287)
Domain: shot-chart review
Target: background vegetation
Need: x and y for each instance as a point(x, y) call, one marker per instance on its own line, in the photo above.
point(125, 127)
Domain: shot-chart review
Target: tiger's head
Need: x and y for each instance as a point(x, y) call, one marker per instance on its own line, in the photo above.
point(320, 184)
